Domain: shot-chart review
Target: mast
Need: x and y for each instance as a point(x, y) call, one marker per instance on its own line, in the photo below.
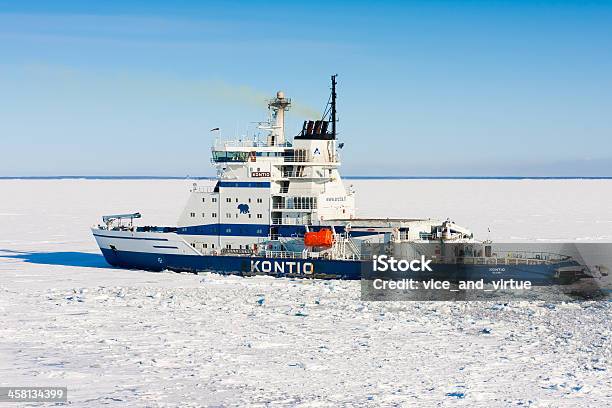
point(319, 129)
point(333, 105)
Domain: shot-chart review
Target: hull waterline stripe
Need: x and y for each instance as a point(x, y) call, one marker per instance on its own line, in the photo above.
point(227, 230)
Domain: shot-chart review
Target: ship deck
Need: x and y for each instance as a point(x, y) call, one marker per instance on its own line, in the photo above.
point(383, 222)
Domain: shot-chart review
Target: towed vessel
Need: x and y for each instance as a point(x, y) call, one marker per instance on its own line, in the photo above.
point(279, 207)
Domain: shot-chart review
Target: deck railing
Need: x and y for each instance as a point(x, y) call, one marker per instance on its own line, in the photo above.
point(247, 143)
point(283, 254)
point(287, 221)
point(202, 189)
point(309, 160)
point(297, 174)
point(502, 261)
point(293, 207)
point(296, 205)
point(296, 159)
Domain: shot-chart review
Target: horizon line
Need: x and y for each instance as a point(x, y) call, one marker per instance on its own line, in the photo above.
point(147, 177)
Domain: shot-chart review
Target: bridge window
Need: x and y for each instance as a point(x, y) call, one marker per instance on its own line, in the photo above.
point(224, 157)
point(228, 246)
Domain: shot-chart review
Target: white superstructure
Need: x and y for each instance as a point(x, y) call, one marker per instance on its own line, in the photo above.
point(269, 192)
point(272, 188)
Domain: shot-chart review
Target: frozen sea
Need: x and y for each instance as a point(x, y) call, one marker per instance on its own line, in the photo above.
point(120, 337)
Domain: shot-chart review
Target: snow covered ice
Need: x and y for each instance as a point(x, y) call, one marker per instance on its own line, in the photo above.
point(165, 339)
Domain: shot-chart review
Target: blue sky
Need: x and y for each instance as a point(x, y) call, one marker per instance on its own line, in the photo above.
point(425, 88)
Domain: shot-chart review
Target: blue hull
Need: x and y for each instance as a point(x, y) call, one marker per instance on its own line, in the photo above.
point(236, 265)
point(544, 274)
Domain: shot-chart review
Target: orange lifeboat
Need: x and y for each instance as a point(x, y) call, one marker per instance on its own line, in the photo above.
point(322, 238)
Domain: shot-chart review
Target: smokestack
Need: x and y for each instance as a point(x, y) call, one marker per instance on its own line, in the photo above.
point(324, 127)
point(310, 126)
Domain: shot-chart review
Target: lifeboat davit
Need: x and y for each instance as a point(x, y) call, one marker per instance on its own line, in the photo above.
point(322, 238)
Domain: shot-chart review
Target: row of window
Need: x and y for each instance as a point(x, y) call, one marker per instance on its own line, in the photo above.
point(228, 246)
point(229, 231)
point(214, 215)
point(229, 200)
point(203, 245)
point(227, 215)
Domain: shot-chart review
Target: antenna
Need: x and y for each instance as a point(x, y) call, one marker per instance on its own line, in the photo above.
point(318, 129)
point(333, 105)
